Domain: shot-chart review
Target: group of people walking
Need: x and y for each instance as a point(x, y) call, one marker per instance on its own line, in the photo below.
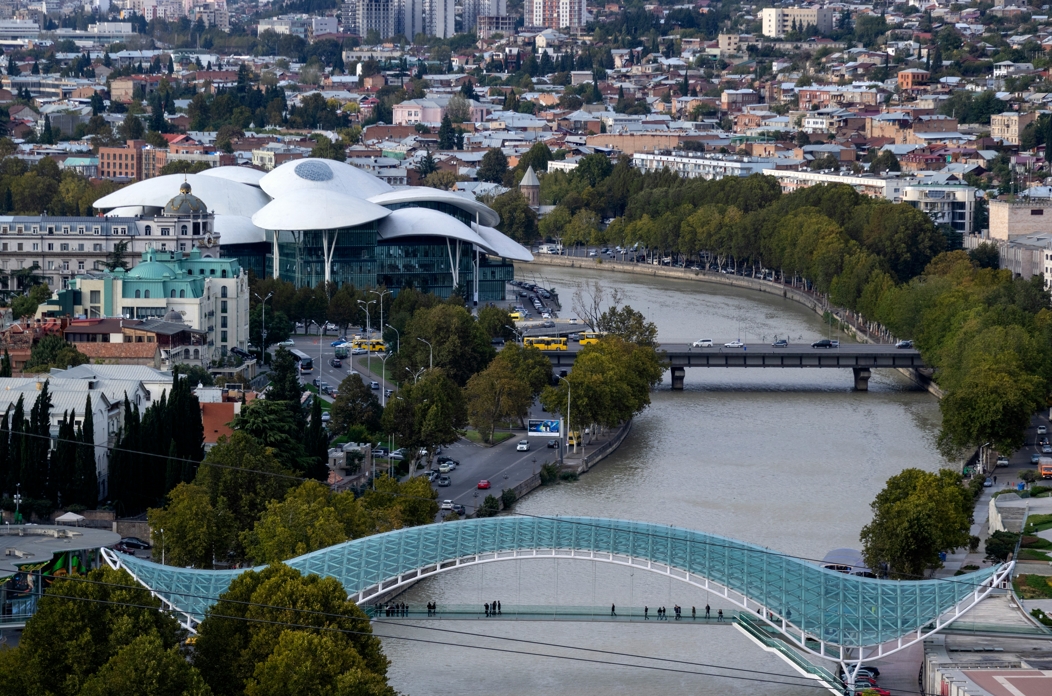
point(662, 613)
point(492, 609)
point(399, 609)
point(432, 608)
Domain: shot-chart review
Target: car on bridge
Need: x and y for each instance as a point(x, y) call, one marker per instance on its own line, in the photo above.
point(734, 344)
point(781, 343)
point(904, 344)
point(702, 343)
point(825, 343)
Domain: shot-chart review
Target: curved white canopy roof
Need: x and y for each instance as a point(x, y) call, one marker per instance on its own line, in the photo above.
point(242, 175)
point(502, 245)
point(234, 229)
point(311, 209)
point(322, 175)
point(223, 196)
point(126, 211)
point(424, 222)
point(419, 194)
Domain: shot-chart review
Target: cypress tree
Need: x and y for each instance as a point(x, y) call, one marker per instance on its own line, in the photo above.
point(5, 361)
point(64, 461)
point(14, 451)
point(173, 469)
point(86, 475)
point(35, 447)
point(5, 463)
point(316, 444)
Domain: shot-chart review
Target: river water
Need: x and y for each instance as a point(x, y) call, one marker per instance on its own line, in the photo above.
point(788, 459)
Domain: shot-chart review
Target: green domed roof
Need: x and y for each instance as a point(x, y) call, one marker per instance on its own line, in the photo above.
point(151, 270)
point(185, 203)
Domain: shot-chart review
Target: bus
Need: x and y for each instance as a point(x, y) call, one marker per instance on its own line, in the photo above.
point(590, 337)
point(372, 345)
point(306, 363)
point(343, 352)
point(545, 343)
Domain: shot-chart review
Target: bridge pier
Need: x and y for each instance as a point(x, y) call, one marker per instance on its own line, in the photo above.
point(861, 378)
point(677, 378)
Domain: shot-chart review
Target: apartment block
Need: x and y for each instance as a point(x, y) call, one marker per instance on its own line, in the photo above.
point(777, 22)
point(1009, 126)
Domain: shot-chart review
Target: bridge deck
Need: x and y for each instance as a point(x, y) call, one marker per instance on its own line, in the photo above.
point(803, 355)
point(466, 612)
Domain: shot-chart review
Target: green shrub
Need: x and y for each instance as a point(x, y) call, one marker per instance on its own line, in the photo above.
point(549, 474)
point(568, 476)
point(973, 544)
point(1000, 545)
point(507, 498)
point(490, 507)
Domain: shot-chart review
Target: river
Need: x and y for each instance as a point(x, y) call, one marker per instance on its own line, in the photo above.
point(788, 459)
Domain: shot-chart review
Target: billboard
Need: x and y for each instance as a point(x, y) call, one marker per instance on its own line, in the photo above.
point(543, 428)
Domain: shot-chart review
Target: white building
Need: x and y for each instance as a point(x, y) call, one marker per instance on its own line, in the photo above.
point(439, 18)
point(701, 165)
point(945, 205)
point(473, 9)
point(777, 22)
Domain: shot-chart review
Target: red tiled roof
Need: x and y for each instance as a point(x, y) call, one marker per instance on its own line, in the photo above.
point(216, 418)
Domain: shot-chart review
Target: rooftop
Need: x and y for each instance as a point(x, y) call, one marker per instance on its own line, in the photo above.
point(30, 543)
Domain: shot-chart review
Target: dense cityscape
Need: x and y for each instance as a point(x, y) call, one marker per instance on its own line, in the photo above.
point(379, 347)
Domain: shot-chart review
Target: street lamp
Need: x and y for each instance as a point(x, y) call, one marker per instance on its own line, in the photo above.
point(263, 327)
point(162, 547)
point(416, 375)
point(568, 395)
point(380, 298)
point(18, 501)
point(516, 332)
point(369, 334)
point(398, 345)
point(383, 380)
point(431, 362)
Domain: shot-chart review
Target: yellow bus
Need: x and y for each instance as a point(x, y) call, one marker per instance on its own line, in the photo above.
point(372, 345)
point(545, 343)
point(590, 337)
point(515, 316)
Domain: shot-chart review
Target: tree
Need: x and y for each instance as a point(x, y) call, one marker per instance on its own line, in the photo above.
point(274, 424)
point(885, 161)
point(517, 219)
point(132, 128)
point(78, 628)
point(354, 404)
point(26, 305)
point(239, 650)
point(327, 149)
point(85, 486)
point(53, 351)
point(458, 344)
point(986, 255)
point(316, 444)
point(443, 179)
point(195, 533)
point(495, 395)
point(629, 324)
point(5, 364)
point(306, 520)
point(196, 375)
point(115, 257)
point(530, 365)
point(458, 109)
point(427, 164)
point(278, 326)
point(1001, 545)
point(495, 322)
point(446, 134)
point(493, 167)
point(916, 516)
point(429, 413)
point(145, 667)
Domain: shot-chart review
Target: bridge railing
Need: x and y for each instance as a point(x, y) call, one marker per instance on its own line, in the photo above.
point(527, 612)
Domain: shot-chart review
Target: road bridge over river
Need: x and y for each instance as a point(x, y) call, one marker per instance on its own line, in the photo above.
point(860, 358)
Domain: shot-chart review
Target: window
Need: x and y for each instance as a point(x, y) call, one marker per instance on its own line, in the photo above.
point(149, 231)
point(222, 322)
point(146, 295)
point(182, 293)
point(1037, 211)
point(182, 246)
point(165, 231)
point(172, 295)
point(182, 230)
point(222, 336)
point(164, 247)
point(80, 247)
point(97, 230)
point(138, 294)
point(36, 247)
point(65, 265)
point(222, 292)
point(222, 307)
point(96, 247)
point(51, 229)
point(20, 246)
point(63, 247)
point(211, 271)
point(80, 265)
point(50, 247)
point(80, 229)
point(197, 354)
point(51, 265)
point(5, 246)
point(65, 229)
point(96, 296)
point(224, 275)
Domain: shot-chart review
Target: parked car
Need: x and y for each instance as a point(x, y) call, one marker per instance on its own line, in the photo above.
point(553, 444)
point(523, 446)
point(498, 341)
point(988, 483)
point(398, 455)
point(904, 344)
point(702, 343)
point(734, 344)
point(326, 416)
point(135, 543)
point(781, 343)
point(336, 362)
point(459, 509)
point(431, 476)
point(825, 343)
point(380, 451)
point(445, 467)
point(1002, 461)
point(483, 485)
point(444, 481)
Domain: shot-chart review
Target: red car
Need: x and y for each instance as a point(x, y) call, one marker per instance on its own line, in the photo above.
point(483, 484)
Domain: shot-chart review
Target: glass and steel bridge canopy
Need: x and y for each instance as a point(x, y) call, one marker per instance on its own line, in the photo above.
point(806, 600)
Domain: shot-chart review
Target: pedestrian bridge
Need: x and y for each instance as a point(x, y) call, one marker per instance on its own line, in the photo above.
point(822, 612)
point(860, 358)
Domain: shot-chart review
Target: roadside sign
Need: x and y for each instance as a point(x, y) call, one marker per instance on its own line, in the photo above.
point(543, 428)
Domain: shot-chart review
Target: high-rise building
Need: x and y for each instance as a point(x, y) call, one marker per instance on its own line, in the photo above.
point(557, 14)
point(439, 18)
point(473, 9)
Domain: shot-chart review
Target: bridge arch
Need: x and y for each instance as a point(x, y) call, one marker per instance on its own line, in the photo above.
point(822, 612)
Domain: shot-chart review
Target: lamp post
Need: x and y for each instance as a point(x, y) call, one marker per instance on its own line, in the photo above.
point(369, 334)
point(569, 393)
point(321, 327)
point(431, 361)
point(518, 335)
point(18, 501)
point(398, 345)
point(162, 547)
point(380, 299)
point(416, 375)
point(383, 380)
point(263, 327)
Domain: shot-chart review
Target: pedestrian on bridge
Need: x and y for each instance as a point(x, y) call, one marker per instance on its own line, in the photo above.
point(613, 610)
point(693, 613)
point(498, 607)
point(487, 609)
point(646, 609)
point(706, 611)
point(719, 616)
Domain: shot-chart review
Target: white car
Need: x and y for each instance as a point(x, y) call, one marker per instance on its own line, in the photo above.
point(287, 342)
point(734, 344)
point(445, 467)
point(573, 320)
point(1041, 430)
point(359, 351)
point(703, 343)
point(546, 315)
point(523, 446)
point(446, 505)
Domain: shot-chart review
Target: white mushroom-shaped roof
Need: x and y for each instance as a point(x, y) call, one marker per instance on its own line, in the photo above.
point(424, 222)
point(234, 229)
point(322, 175)
point(222, 196)
point(242, 175)
point(423, 194)
point(310, 209)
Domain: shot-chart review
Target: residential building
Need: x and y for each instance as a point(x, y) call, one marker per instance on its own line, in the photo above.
point(777, 22)
point(1019, 218)
point(474, 9)
point(555, 14)
point(945, 205)
point(888, 188)
point(292, 25)
point(914, 78)
point(438, 18)
point(1009, 126)
point(487, 25)
point(700, 165)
